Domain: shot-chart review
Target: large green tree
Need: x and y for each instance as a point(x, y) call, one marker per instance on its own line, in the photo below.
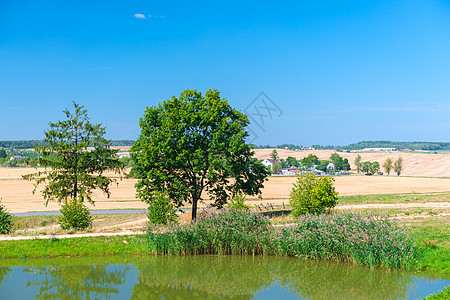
point(339, 162)
point(192, 144)
point(75, 154)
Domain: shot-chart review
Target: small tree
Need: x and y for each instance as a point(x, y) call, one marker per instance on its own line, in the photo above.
point(313, 194)
point(387, 165)
point(276, 168)
point(72, 170)
point(274, 155)
point(375, 167)
point(310, 161)
point(161, 209)
point(358, 163)
point(398, 166)
point(5, 219)
point(238, 202)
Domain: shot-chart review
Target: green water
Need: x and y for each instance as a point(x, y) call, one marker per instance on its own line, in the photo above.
point(200, 277)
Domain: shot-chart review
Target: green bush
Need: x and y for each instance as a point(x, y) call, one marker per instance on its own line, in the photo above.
point(365, 239)
point(75, 215)
point(313, 194)
point(227, 232)
point(161, 210)
point(5, 220)
point(238, 202)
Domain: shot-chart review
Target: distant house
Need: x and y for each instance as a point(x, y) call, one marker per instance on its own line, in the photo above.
point(122, 155)
point(269, 162)
point(16, 157)
point(290, 171)
point(379, 149)
point(331, 167)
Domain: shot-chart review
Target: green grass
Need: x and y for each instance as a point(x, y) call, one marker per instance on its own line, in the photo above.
point(432, 236)
point(85, 246)
point(394, 198)
point(442, 295)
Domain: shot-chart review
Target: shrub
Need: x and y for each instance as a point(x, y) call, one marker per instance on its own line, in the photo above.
point(237, 202)
point(364, 239)
point(312, 194)
point(5, 220)
point(227, 232)
point(161, 209)
point(75, 215)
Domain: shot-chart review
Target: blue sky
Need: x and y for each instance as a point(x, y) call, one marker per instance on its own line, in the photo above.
point(338, 71)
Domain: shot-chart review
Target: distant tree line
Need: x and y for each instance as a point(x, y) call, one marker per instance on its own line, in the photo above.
point(35, 143)
point(431, 146)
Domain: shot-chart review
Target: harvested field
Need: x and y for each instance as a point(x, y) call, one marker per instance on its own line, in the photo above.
point(17, 196)
point(414, 163)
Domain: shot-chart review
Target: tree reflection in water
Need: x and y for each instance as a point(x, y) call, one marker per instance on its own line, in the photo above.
point(241, 277)
point(203, 276)
point(77, 282)
point(4, 272)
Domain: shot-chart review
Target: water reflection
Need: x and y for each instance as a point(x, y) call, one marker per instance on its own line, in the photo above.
point(243, 276)
point(213, 277)
point(76, 282)
point(4, 272)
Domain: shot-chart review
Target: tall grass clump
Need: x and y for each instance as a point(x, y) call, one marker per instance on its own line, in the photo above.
point(5, 219)
point(364, 239)
point(227, 232)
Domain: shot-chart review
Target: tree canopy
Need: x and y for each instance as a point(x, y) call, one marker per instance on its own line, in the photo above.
point(72, 171)
point(195, 143)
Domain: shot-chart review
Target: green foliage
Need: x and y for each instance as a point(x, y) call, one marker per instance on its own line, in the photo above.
point(75, 215)
point(322, 165)
point(363, 239)
point(194, 144)
point(3, 153)
point(228, 232)
point(398, 166)
point(341, 164)
point(292, 162)
point(387, 165)
point(313, 194)
point(72, 170)
point(442, 295)
point(161, 210)
point(237, 202)
point(370, 167)
point(276, 168)
point(399, 145)
point(5, 219)
point(274, 155)
point(310, 161)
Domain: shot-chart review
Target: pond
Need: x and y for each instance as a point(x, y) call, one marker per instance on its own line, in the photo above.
point(225, 277)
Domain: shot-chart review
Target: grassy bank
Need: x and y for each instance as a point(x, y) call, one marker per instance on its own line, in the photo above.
point(442, 295)
point(86, 246)
point(324, 238)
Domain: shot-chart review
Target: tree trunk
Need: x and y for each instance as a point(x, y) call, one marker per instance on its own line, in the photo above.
point(194, 209)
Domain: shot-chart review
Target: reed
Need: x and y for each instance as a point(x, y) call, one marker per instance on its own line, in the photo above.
point(362, 239)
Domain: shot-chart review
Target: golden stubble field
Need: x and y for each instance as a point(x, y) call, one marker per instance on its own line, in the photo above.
point(17, 196)
point(414, 163)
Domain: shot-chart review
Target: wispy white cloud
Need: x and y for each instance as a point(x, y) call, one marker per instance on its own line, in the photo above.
point(139, 16)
